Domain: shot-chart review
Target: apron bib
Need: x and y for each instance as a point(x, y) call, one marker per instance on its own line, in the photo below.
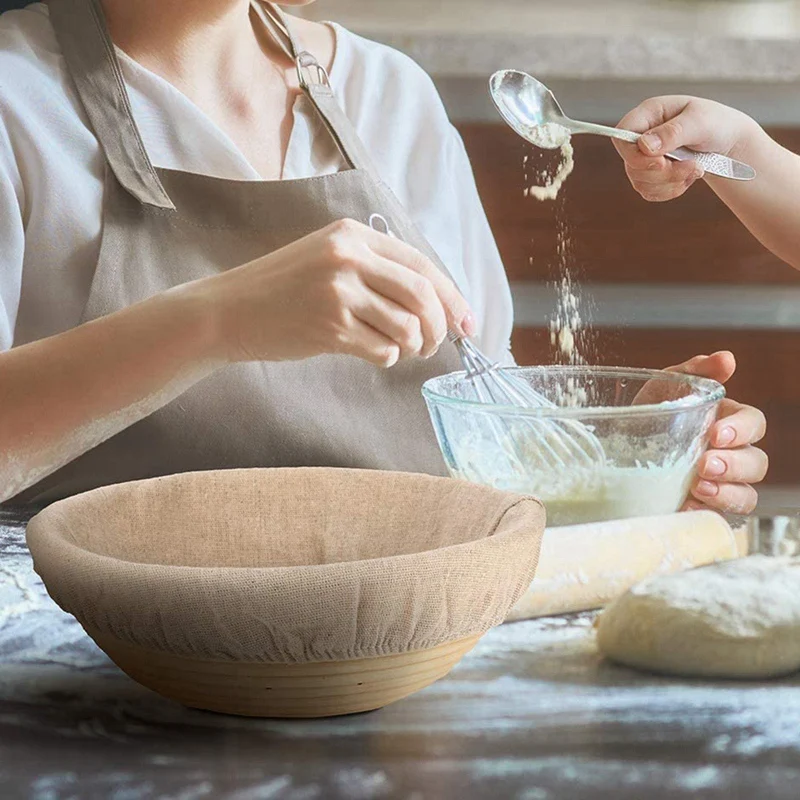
point(162, 228)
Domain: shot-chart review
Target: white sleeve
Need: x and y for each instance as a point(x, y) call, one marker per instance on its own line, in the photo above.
point(483, 267)
point(12, 238)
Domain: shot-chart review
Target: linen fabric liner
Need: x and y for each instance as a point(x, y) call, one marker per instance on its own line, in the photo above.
point(288, 565)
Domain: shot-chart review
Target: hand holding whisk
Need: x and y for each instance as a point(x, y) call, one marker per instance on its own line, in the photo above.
point(556, 443)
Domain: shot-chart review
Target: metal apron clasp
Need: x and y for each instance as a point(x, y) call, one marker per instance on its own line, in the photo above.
point(305, 63)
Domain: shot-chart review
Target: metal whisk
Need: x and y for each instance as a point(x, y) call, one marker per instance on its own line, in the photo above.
point(559, 443)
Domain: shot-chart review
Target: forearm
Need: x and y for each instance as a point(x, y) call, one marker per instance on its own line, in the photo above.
point(769, 206)
point(63, 395)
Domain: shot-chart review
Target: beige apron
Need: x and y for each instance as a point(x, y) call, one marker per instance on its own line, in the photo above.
point(163, 227)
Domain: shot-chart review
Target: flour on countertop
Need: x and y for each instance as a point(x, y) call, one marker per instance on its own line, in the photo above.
point(530, 679)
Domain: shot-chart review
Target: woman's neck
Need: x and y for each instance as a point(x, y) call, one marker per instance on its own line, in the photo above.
point(203, 46)
point(224, 61)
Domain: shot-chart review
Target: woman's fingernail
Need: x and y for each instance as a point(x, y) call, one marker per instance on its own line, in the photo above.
point(707, 489)
point(652, 141)
point(726, 436)
point(468, 324)
point(715, 467)
point(699, 172)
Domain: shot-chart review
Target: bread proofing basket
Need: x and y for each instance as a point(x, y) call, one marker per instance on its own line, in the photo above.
point(305, 592)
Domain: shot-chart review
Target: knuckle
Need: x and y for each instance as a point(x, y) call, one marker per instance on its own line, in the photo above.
point(338, 250)
point(420, 285)
point(408, 345)
point(409, 330)
point(672, 130)
point(338, 292)
point(345, 226)
point(340, 242)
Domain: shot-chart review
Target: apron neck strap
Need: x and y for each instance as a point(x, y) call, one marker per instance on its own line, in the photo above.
point(83, 35)
point(277, 26)
point(315, 83)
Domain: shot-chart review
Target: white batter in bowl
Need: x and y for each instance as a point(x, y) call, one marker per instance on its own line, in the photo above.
point(653, 427)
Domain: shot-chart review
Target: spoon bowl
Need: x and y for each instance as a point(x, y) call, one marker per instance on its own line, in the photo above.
point(525, 103)
point(532, 110)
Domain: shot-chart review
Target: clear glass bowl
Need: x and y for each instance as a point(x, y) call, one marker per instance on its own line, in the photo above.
point(652, 428)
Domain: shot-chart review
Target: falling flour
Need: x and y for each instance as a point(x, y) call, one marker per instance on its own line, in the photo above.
point(548, 183)
point(568, 321)
point(569, 329)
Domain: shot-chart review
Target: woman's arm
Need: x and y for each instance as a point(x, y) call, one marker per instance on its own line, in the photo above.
point(63, 395)
point(345, 289)
point(769, 206)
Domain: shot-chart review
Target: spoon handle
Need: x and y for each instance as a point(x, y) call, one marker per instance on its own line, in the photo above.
point(713, 163)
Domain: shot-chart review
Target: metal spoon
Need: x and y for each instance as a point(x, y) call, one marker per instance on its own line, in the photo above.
point(525, 104)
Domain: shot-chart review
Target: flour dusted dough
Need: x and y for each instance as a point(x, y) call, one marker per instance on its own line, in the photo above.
point(739, 619)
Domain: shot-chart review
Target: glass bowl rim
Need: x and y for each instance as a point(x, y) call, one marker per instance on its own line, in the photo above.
point(709, 394)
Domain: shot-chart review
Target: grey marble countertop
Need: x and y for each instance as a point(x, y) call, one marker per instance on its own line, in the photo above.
point(728, 40)
point(532, 713)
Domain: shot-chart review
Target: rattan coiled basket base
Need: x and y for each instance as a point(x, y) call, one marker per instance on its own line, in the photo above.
point(323, 689)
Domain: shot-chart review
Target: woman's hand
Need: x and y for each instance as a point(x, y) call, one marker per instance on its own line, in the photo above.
point(727, 471)
point(344, 289)
point(677, 121)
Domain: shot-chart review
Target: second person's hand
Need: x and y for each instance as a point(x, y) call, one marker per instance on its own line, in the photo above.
point(668, 123)
point(344, 289)
point(733, 464)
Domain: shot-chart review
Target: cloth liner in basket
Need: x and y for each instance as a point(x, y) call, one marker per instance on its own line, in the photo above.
point(245, 591)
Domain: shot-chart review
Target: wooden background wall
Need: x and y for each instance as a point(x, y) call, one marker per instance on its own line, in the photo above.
point(619, 238)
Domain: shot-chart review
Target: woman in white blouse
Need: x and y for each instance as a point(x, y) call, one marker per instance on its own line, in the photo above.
point(188, 276)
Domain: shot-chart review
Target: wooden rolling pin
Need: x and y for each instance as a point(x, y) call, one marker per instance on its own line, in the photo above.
point(586, 566)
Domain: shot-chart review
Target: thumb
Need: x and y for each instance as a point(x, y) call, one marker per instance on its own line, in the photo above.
point(670, 135)
point(719, 366)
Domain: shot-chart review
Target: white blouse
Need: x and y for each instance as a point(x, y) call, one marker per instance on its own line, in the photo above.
point(52, 171)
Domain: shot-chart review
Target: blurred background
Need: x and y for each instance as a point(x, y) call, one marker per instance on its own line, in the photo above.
point(666, 281)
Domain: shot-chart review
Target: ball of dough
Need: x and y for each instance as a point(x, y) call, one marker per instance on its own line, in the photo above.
point(736, 619)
